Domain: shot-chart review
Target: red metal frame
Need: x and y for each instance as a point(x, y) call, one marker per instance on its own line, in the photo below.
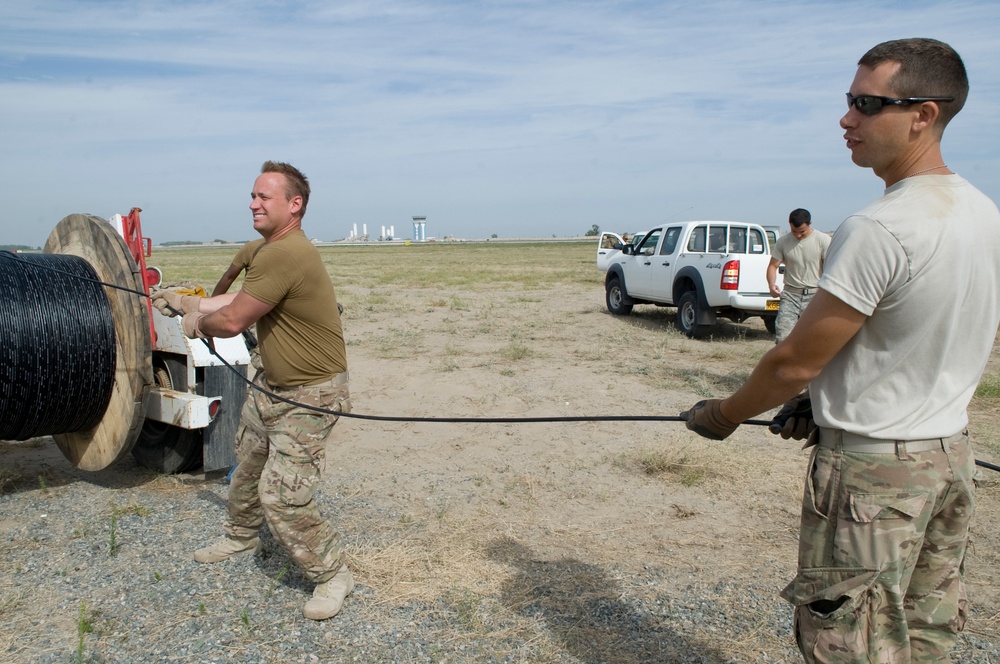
point(140, 248)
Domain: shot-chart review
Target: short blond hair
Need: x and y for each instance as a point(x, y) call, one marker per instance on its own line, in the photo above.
point(296, 183)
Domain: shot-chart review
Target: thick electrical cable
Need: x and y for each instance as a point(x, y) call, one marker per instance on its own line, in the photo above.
point(57, 346)
point(397, 418)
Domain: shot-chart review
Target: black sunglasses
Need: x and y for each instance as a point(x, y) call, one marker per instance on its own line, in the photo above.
point(873, 105)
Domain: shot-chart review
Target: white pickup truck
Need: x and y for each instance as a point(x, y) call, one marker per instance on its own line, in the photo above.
point(706, 269)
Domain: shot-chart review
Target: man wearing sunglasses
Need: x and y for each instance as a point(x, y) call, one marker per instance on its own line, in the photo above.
point(891, 347)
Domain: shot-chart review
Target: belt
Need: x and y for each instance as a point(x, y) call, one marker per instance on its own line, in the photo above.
point(800, 291)
point(852, 442)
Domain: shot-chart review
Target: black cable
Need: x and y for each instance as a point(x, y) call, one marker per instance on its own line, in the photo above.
point(94, 279)
point(57, 346)
point(493, 420)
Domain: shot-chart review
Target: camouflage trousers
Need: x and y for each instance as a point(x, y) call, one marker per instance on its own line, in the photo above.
point(789, 313)
point(280, 454)
point(882, 552)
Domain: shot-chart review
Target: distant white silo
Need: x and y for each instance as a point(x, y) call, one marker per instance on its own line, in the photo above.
point(354, 230)
point(392, 231)
point(419, 229)
point(382, 236)
point(364, 229)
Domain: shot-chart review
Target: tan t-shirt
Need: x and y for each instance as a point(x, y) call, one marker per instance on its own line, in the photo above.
point(923, 264)
point(246, 253)
point(803, 258)
point(301, 339)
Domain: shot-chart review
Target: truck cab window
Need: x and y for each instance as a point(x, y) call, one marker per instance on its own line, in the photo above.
point(737, 239)
point(648, 246)
point(697, 240)
point(670, 241)
point(717, 239)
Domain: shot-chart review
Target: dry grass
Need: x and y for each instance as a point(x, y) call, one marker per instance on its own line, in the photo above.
point(588, 542)
point(690, 465)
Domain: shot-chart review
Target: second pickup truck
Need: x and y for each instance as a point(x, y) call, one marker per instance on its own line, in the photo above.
point(706, 269)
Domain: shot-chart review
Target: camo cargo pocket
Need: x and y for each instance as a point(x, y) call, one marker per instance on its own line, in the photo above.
point(881, 529)
point(834, 613)
point(294, 475)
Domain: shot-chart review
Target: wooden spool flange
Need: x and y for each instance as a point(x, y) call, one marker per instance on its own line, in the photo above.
point(97, 242)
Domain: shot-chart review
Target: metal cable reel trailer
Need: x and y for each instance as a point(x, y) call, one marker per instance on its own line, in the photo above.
point(174, 405)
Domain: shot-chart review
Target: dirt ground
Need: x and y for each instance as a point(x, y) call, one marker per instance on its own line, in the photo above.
point(521, 524)
point(622, 495)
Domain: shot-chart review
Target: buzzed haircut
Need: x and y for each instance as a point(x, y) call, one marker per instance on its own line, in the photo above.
point(799, 216)
point(928, 68)
point(297, 183)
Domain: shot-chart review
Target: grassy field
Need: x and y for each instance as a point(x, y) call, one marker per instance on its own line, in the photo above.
point(479, 266)
point(620, 542)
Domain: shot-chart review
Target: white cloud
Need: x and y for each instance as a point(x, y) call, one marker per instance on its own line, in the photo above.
point(541, 118)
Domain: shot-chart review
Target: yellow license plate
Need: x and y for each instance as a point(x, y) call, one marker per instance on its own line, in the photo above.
point(772, 305)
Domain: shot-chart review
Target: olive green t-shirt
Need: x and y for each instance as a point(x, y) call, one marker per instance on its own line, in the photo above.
point(245, 254)
point(301, 339)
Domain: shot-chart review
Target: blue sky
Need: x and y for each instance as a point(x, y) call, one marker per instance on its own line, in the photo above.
point(515, 118)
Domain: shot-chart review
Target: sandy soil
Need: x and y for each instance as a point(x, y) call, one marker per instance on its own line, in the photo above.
point(635, 509)
point(592, 491)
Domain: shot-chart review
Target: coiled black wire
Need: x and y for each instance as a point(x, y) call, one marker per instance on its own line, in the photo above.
point(97, 283)
point(57, 346)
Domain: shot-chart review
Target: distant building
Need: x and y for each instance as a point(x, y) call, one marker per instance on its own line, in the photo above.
point(419, 229)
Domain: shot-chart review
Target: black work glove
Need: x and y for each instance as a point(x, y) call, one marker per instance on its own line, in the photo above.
point(795, 419)
point(705, 419)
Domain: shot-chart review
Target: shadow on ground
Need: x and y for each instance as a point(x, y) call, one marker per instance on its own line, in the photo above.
point(587, 612)
point(38, 463)
point(662, 319)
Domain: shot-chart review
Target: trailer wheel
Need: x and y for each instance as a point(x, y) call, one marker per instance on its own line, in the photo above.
point(164, 447)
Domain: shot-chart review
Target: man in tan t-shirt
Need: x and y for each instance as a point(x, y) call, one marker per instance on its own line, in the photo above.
point(802, 251)
point(280, 447)
point(241, 261)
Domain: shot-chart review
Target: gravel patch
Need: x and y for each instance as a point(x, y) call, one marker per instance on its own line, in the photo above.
point(98, 568)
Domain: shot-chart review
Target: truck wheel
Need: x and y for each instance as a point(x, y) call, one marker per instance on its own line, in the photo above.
point(770, 323)
point(616, 298)
point(687, 315)
point(163, 447)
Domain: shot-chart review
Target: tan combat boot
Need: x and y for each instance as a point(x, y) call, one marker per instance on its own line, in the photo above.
point(226, 548)
point(329, 596)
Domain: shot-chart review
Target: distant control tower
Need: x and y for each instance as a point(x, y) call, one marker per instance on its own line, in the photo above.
point(419, 229)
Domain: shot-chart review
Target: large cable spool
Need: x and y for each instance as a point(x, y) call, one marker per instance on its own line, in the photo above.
point(57, 346)
point(115, 432)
